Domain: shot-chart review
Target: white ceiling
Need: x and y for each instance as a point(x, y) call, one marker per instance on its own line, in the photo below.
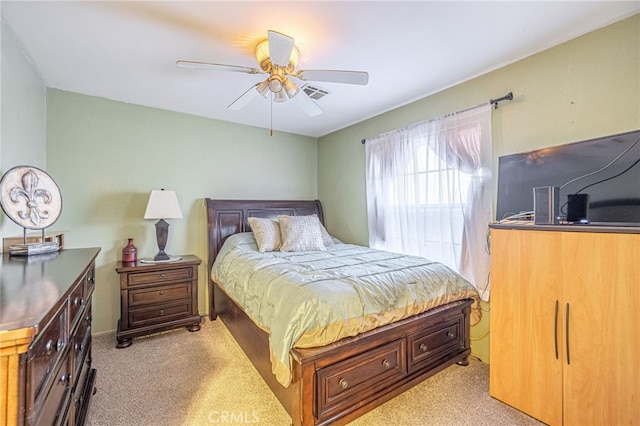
point(126, 51)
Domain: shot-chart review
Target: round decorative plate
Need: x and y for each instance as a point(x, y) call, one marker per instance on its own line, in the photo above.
point(30, 197)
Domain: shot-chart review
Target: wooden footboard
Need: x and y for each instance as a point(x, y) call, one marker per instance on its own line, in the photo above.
point(337, 383)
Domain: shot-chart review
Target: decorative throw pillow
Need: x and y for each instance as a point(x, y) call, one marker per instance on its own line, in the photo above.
point(300, 233)
point(327, 240)
point(267, 233)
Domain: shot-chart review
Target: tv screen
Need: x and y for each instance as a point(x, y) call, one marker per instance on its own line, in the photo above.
point(606, 169)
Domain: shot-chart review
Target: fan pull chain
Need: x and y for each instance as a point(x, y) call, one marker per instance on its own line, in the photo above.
point(271, 129)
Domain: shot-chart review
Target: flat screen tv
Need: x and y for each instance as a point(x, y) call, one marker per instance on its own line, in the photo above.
point(607, 169)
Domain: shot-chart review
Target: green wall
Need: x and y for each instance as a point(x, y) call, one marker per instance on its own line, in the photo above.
point(584, 88)
point(107, 156)
point(22, 116)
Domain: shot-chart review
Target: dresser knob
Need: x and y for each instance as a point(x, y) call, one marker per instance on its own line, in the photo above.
point(423, 347)
point(386, 364)
point(162, 276)
point(66, 378)
point(49, 347)
point(78, 301)
point(450, 334)
point(343, 383)
point(78, 347)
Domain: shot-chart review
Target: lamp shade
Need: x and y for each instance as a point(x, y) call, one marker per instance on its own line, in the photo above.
point(163, 205)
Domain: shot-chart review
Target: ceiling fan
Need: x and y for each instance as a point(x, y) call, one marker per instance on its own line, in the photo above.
point(278, 57)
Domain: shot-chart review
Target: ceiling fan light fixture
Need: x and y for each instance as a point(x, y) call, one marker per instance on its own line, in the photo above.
point(279, 96)
point(275, 83)
point(263, 88)
point(291, 88)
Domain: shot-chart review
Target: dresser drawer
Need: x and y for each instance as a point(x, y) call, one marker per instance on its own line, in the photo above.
point(52, 409)
point(81, 341)
point(45, 353)
point(158, 277)
point(77, 302)
point(360, 376)
point(159, 294)
point(434, 343)
point(156, 314)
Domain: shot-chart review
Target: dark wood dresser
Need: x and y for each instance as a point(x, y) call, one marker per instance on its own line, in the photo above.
point(156, 297)
point(46, 377)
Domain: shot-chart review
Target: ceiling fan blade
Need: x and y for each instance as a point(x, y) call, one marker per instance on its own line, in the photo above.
point(245, 98)
point(280, 47)
point(334, 76)
point(216, 67)
point(307, 104)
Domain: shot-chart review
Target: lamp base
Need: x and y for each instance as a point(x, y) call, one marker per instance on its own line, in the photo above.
point(161, 256)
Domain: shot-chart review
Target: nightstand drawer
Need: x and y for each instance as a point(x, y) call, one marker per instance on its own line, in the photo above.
point(156, 277)
point(160, 294)
point(159, 314)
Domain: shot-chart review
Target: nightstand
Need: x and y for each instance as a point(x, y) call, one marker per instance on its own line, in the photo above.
point(157, 297)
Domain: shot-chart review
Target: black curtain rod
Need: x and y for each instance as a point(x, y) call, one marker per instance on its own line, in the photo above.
point(507, 97)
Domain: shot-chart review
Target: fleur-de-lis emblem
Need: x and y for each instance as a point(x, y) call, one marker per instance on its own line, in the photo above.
point(33, 196)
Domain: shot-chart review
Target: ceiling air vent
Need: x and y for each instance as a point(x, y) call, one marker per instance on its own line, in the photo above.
point(315, 93)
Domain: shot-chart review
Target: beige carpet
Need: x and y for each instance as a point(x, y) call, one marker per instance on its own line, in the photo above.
point(203, 378)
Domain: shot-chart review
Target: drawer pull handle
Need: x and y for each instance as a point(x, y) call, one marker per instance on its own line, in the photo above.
point(66, 378)
point(450, 334)
point(423, 347)
point(386, 364)
point(49, 347)
point(343, 383)
point(162, 312)
point(78, 301)
point(162, 293)
point(78, 347)
point(162, 276)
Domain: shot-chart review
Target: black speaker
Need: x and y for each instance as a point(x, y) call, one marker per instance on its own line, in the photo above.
point(545, 205)
point(577, 208)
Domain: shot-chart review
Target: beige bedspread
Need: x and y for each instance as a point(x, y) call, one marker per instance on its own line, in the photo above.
point(308, 299)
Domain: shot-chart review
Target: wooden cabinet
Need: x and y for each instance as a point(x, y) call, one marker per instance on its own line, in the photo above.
point(46, 376)
point(157, 297)
point(565, 333)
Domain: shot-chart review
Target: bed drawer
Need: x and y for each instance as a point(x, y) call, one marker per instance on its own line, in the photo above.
point(159, 294)
point(360, 376)
point(157, 277)
point(436, 342)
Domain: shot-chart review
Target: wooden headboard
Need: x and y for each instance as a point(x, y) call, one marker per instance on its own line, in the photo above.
point(227, 217)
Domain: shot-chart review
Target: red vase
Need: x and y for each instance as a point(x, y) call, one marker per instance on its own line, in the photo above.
point(130, 253)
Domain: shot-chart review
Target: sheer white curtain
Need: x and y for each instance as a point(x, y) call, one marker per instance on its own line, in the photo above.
point(429, 191)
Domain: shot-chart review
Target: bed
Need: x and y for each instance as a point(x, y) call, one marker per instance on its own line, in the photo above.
point(340, 380)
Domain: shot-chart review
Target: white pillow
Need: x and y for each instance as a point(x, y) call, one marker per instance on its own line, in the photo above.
point(267, 233)
point(300, 233)
point(327, 239)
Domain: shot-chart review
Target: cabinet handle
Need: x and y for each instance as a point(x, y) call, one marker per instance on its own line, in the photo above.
point(423, 347)
point(555, 329)
point(343, 383)
point(567, 334)
point(386, 364)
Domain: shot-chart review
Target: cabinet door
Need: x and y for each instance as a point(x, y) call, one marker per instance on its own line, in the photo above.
point(525, 288)
point(601, 385)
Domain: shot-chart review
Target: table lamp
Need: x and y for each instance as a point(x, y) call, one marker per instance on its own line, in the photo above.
point(162, 205)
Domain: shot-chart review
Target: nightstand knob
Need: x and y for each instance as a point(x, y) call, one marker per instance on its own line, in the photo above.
point(162, 293)
point(386, 364)
point(423, 347)
point(450, 334)
point(343, 383)
point(161, 276)
point(162, 312)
